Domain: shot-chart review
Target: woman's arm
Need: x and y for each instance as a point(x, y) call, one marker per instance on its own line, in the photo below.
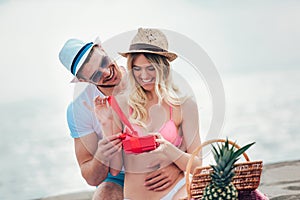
point(191, 137)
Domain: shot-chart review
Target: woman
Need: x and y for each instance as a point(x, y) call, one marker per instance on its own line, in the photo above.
point(153, 107)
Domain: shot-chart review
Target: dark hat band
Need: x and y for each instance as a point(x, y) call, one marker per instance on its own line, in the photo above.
point(78, 56)
point(147, 47)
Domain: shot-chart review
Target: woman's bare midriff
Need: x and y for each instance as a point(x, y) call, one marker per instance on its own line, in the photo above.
point(135, 189)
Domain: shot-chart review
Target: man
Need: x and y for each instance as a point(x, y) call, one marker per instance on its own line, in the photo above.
point(89, 63)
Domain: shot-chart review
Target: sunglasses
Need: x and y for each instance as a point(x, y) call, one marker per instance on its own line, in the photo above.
point(97, 75)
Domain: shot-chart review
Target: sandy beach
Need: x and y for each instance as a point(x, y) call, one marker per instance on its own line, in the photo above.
point(279, 181)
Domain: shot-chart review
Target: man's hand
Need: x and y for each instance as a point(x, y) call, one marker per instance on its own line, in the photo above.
point(102, 110)
point(108, 147)
point(163, 178)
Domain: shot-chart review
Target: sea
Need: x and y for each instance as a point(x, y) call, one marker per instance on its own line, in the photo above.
point(37, 153)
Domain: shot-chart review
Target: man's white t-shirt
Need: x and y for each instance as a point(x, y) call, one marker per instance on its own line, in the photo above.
point(81, 120)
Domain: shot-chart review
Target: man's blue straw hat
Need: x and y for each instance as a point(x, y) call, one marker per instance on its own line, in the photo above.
point(74, 53)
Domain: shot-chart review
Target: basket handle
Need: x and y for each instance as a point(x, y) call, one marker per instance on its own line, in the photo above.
point(196, 151)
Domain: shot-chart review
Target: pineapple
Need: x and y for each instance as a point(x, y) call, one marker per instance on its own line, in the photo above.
point(221, 186)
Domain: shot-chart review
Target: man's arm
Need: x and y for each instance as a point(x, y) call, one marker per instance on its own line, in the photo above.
point(163, 178)
point(93, 156)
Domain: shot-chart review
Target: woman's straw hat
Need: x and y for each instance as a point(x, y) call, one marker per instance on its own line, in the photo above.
point(150, 41)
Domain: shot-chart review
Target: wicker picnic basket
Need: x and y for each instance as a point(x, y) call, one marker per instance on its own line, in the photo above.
point(247, 174)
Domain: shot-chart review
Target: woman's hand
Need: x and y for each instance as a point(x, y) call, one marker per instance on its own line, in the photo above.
point(164, 144)
point(170, 151)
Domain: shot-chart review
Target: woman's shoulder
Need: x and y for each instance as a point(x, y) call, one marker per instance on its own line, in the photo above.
point(189, 101)
point(189, 104)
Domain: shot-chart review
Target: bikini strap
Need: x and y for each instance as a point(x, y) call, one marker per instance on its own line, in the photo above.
point(130, 110)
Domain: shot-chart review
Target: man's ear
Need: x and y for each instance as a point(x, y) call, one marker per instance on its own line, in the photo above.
point(81, 80)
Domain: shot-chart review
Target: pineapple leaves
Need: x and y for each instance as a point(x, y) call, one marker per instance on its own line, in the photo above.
point(216, 153)
point(221, 186)
point(225, 158)
point(242, 150)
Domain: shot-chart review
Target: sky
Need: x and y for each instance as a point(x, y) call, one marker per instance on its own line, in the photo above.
point(237, 35)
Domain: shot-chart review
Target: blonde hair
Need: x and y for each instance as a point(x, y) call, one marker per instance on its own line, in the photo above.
point(164, 88)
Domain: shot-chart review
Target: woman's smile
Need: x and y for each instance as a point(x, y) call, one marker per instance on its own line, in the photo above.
point(150, 80)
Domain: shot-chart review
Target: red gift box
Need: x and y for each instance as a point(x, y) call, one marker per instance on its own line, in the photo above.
point(139, 144)
point(131, 142)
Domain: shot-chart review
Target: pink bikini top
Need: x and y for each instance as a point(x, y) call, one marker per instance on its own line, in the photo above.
point(168, 130)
